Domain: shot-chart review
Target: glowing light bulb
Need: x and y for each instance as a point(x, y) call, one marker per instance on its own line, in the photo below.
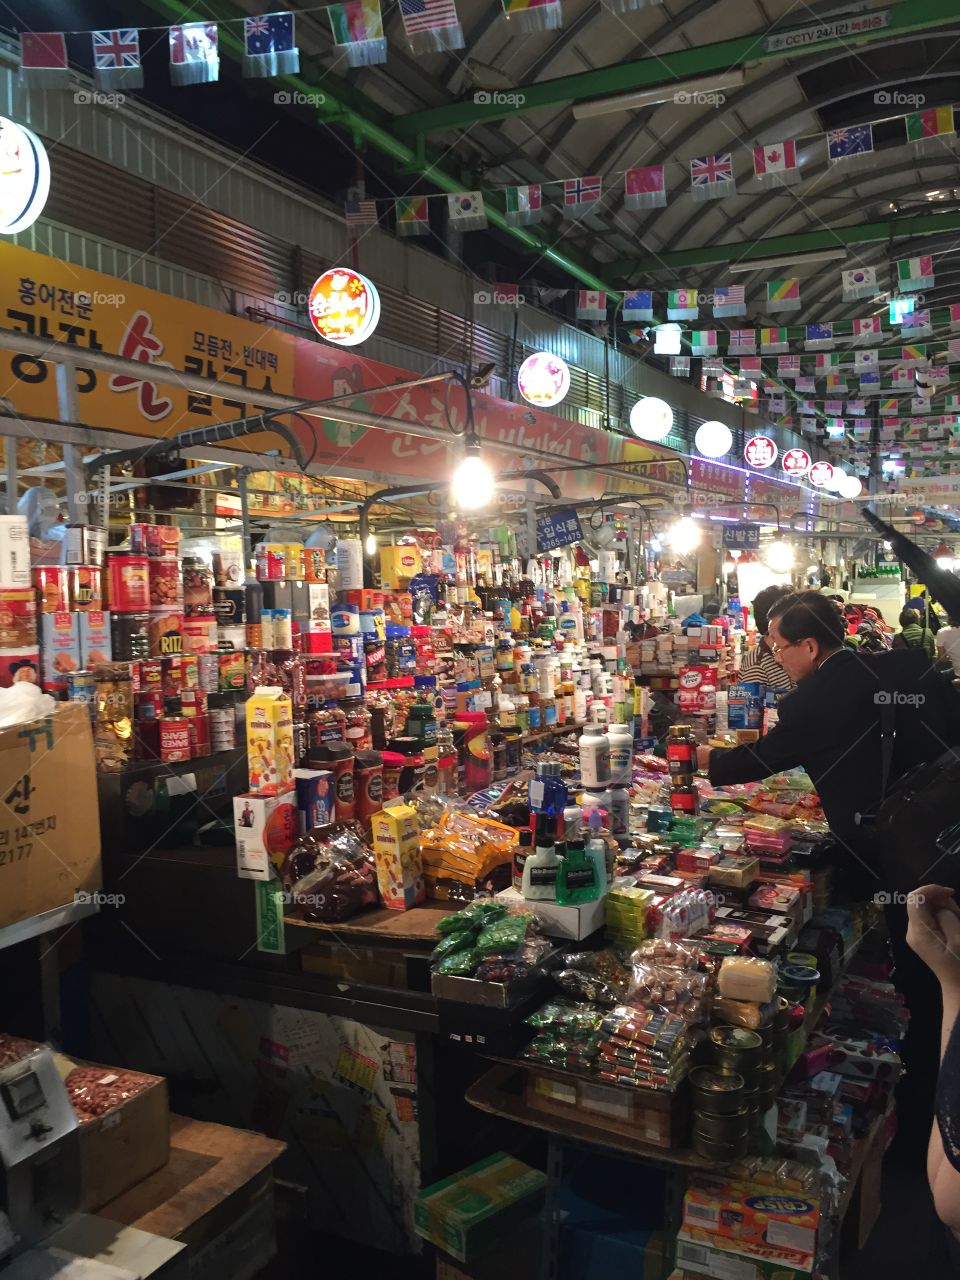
point(371, 544)
point(472, 484)
point(780, 557)
point(684, 536)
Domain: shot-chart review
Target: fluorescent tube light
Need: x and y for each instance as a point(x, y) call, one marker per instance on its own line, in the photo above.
point(794, 260)
point(685, 92)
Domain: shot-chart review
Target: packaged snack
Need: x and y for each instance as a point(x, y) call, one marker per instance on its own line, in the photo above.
point(330, 873)
point(459, 964)
point(506, 934)
point(747, 978)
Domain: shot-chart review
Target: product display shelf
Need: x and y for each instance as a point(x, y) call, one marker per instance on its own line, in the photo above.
point(45, 921)
point(378, 926)
point(500, 1093)
point(528, 738)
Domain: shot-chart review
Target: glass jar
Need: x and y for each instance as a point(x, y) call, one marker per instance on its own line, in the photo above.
point(327, 724)
point(357, 732)
point(197, 585)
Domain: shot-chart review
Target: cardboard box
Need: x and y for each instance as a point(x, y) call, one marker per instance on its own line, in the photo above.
point(59, 649)
point(574, 923)
point(516, 1258)
point(654, 1116)
point(265, 829)
point(270, 741)
point(318, 598)
point(50, 826)
point(718, 1265)
point(315, 797)
point(94, 638)
point(398, 565)
point(740, 1218)
point(396, 847)
point(469, 1211)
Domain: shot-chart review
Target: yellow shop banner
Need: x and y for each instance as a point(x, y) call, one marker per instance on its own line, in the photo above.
point(62, 303)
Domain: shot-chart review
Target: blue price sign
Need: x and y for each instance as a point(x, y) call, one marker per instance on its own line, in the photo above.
point(742, 537)
point(558, 529)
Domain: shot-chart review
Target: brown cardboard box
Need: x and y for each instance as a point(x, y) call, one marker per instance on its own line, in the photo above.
point(653, 1116)
point(49, 817)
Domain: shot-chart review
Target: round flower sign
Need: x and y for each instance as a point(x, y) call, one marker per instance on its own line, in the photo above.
point(796, 462)
point(821, 473)
point(344, 307)
point(760, 452)
point(543, 379)
point(24, 177)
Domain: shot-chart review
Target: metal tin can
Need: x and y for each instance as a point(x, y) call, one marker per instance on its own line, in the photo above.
point(163, 542)
point(166, 586)
point(166, 632)
point(190, 671)
point(314, 564)
point(81, 687)
point(86, 587)
point(140, 539)
point(208, 672)
point(200, 635)
point(151, 675)
point(130, 636)
point(174, 738)
point(52, 583)
point(18, 618)
point(232, 670)
point(229, 605)
point(271, 561)
point(128, 579)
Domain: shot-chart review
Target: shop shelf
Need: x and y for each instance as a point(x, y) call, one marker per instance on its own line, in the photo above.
point(34, 926)
point(397, 682)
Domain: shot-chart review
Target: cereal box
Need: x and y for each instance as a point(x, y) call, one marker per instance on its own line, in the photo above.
point(94, 638)
point(396, 847)
point(270, 741)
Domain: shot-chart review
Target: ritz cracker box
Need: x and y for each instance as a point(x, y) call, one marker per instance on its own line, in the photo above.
point(270, 741)
point(49, 816)
point(396, 847)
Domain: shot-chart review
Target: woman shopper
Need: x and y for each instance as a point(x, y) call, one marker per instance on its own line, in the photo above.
point(761, 666)
point(948, 646)
point(914, 636)
point(933, 932)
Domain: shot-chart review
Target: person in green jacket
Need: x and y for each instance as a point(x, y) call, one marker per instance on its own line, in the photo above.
point(913, 636)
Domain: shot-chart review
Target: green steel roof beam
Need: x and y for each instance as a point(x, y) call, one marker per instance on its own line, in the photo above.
point(665, 68)
point(921, 224)
point(340, 109)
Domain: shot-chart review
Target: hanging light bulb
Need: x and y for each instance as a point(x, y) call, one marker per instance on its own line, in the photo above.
point(779, 556)
point(943, 556)
point(837, 480)
point(851, 487)
point(684, 536)
point(472, 483)
point(651, 419)
point(713, 439)
point(370, 544)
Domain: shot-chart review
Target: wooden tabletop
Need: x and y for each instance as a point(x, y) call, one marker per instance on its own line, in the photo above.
point(208, 1163)
point(416, 926)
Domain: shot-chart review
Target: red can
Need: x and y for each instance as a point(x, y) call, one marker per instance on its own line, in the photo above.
point(86, 588)
point(199, 730)
point(174, 738)
point(140, 539)
point(128, 579)
point(53, 589)
point(151, 674)
point(172, 676)
point(163, 542)
point(148, 704)
point(189, 671)
point(166, 586)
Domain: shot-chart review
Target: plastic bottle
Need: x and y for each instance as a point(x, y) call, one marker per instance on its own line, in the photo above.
point(520, 855)
point(539, 883)
point(594, 758)
point(547, 790)
point(618, 802)
point(621, 755)
point(579, 706)
point(578, 877)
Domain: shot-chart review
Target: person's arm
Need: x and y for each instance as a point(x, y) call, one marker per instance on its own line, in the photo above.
point(778, 750)
point(934, 934)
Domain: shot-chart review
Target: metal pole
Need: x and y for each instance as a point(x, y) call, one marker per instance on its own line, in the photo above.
point(68, 409)
point(10, 445)
point(242, 474)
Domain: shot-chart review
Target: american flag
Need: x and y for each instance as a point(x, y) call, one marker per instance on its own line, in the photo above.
point(115, 49)
point(731, 295)
point(361, 213)
point(428, 15)
point(707, 171)
point(580, 190)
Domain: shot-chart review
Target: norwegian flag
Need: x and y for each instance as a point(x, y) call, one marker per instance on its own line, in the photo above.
point(743, 340)
point(788, 366)
point(776, 164)
point(711, 177)
point(580, 195)
point(116, 58)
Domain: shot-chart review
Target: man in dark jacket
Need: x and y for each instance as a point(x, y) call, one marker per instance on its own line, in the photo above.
point(830, 724)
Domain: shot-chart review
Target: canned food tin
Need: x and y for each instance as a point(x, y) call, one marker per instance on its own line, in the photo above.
point(128, 579)
point(232, 637)
point(190, 671)
point(314, 564)
point(18, 619)
point(271, 561)
point(200, 635)
point(163, 542)
point(232, 670)
point(174, 738)
point(84, 544)
point(52, 583)
point(166, 587)
point(81, 687)
point(229, 606)
point(172, 676)
point(208, 672)
point(151, 675)
point(130, 636)
point(166, 632)
point(85, 587)
point(140, 539)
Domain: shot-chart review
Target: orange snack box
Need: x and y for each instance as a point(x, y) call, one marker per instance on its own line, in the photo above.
point(270, 741)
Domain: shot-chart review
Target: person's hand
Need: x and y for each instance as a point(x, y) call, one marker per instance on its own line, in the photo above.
point(703, 757)
point(933, 930)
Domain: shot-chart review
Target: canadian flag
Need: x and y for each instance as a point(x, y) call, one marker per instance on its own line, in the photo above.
point(778, 157)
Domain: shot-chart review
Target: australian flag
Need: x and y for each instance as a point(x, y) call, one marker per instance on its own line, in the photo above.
point(269, 48)
point(842, 144)
point(819, 337)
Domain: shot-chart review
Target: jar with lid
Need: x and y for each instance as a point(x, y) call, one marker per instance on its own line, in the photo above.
point(507, 712)
point(197, 586)
point(523, 713)
point(685, 797)
point(368, 785)
point(392, 762)
point(414, 768)
point(681, 752)
point(498, 754)
point(327, 724)
point(594, 757)
point(357, 732)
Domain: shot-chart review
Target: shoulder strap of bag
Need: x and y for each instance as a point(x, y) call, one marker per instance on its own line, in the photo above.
point(888, 734)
